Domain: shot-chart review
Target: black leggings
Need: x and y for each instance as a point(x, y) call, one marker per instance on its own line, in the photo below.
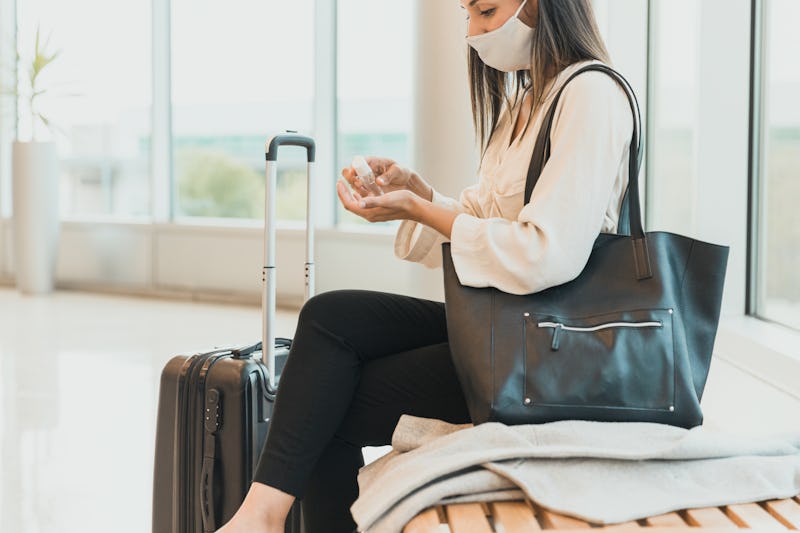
point(358, 361)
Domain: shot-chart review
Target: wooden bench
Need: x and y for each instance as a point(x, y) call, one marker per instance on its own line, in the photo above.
point(523, 516)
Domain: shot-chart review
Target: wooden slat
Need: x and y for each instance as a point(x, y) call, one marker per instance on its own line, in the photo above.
point(787, 512)
point(729, 529)
point(621, 527)
point(425, 522)
point(553, 520)
point(510, 517)
point(625, 526)
point(518, 516)
point(751, 515)
point(667, 520)
point(708, 517)
point(467, 518)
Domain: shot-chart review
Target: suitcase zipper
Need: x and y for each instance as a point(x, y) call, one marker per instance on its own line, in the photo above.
point(196, 485)
point(186, 432)
point(558, 327)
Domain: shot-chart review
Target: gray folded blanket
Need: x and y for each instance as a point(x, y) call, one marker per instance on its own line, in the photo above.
point(604, 472)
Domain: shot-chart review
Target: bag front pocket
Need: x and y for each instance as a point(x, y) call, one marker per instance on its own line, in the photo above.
point(622, 360)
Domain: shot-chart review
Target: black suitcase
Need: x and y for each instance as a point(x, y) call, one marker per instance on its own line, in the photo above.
point(214, 408)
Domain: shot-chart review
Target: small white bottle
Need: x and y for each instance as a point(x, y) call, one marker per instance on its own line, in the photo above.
point(365, 174)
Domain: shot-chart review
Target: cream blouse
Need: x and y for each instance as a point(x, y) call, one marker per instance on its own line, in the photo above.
point(498, 242)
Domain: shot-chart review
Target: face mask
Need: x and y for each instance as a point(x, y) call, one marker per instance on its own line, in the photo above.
point(508, 48)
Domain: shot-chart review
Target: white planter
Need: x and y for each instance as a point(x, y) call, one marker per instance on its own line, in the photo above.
point(36, 221)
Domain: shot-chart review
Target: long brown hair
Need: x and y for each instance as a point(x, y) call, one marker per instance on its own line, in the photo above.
point(566, 33)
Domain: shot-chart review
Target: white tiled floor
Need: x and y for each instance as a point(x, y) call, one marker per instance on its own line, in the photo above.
point(78, 390)
point(79, 376)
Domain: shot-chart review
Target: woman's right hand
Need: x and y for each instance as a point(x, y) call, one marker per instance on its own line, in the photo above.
point(390, 177)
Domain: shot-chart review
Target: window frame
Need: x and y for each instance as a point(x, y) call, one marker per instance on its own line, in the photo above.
point(325, 119)
point(759, 346)
point(8, 131)
point(757, 178)
point(756, 162)
point(162, 193)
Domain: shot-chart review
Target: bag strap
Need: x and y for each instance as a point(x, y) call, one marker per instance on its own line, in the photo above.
point(630, 220)
point(541, 151)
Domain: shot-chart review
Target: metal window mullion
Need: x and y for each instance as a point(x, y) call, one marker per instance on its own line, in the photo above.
point(326, 122)
point(8, 105)
point(161, 183)
point(650, 115)
point(756, 182)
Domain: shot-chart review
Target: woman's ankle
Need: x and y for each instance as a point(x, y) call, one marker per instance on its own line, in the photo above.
point(266, 505)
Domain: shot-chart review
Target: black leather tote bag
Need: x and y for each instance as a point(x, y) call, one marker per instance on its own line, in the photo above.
point(628, 340)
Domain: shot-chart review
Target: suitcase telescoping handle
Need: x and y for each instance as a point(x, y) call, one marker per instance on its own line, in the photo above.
point(289, 138)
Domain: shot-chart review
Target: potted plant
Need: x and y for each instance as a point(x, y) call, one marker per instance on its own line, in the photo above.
point(34, 176)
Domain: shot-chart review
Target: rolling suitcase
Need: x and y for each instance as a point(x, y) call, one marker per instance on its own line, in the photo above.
point(214, 408)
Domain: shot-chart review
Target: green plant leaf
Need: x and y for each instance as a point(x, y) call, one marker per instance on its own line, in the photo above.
point(42, 60)
point(41, 56)
point(30, 88)
point(50, 125)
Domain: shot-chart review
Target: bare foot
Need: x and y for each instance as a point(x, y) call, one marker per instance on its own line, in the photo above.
point(243, 524)
point(264, 510)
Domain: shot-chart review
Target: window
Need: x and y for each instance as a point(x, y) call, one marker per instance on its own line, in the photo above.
point(778, 290)
point(671, 149)
point(98, 97)
point(7, 103)
point(241, 71)
point(375, 53)
point(698, 124)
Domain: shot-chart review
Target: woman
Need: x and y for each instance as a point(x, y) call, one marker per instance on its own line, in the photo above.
point(360, 359)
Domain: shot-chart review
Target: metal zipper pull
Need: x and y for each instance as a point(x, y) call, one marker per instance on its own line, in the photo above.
point(556, 336)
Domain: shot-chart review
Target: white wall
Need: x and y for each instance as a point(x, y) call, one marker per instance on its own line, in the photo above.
point(6, 258)
point(445, 151)
point(217, 263)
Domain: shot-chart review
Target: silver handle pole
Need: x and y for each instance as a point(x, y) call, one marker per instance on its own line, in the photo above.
point(310, 286)
point(269, 274)
point(268, 299)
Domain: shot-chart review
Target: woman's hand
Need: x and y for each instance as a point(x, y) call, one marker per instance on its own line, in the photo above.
point(390, 177)
point(397, 204)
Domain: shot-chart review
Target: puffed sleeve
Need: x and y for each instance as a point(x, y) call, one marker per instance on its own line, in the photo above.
point(421, 244)
point(550, 242)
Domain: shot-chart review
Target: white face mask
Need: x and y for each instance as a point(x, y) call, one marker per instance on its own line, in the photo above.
point(508, 48)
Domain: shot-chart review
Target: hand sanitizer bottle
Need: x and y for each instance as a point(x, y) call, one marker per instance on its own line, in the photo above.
point(365, 174)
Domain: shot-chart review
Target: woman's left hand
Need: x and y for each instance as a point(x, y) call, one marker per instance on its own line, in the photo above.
point(393, 205)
